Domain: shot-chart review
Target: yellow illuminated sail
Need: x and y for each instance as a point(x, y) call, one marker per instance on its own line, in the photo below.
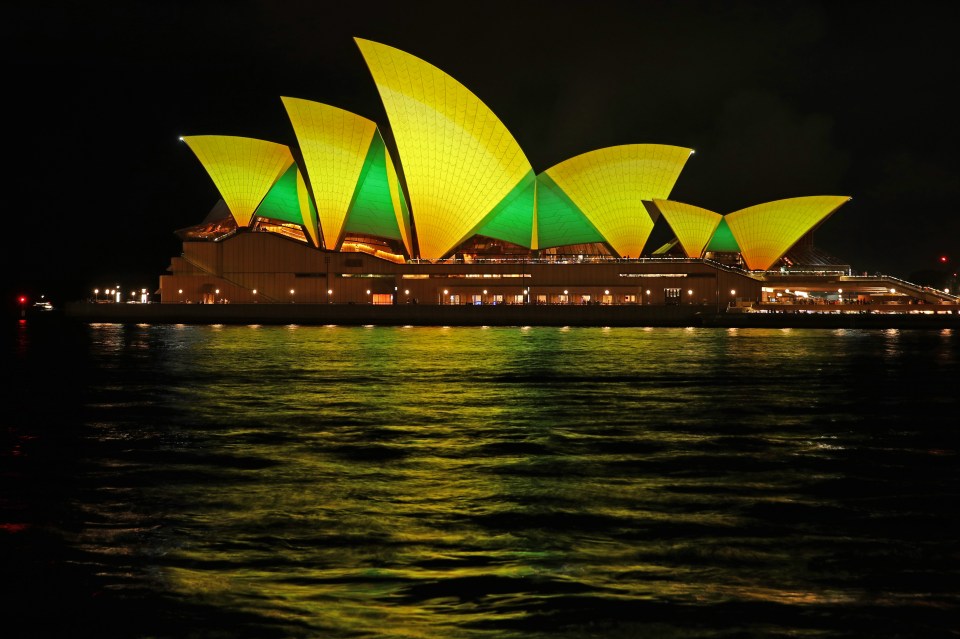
point(334, 144)
point(307, 212)
point(242, 169)
point(458, 159)
point(692, 225)
point(399, 209)
point(765, 232)
point(609, 186)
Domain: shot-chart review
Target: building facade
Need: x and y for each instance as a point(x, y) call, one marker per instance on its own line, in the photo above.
point(454, 214)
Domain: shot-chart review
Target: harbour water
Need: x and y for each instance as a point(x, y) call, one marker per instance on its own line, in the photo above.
point(522, 482)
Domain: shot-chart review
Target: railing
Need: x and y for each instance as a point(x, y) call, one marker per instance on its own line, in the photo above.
point(561, 259)
point(816, 272)
point(726, 267)
point(922, 289)
point(209, 272)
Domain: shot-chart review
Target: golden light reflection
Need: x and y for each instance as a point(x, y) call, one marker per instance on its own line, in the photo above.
point(425, 478)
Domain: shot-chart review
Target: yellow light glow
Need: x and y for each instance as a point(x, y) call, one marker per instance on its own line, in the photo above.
point(609, 186)
point(403, 217)
point(458, 159)
point(692, 225)
point(242, 169)
point(334, 144)
point(765, 232)
point(309, 219)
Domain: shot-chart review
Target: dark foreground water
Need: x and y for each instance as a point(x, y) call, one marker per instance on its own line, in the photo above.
point(205, 481)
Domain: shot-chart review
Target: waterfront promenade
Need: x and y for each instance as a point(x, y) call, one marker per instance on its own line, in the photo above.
point(505, 315)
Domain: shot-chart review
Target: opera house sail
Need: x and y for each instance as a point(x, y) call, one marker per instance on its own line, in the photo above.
point(439, 205)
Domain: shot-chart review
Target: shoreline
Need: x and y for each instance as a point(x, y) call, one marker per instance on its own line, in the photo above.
point(487, 315)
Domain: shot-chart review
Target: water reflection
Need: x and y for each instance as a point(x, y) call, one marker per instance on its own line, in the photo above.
point(515, 481)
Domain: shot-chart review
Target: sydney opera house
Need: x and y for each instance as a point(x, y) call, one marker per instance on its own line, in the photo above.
point(456, 215)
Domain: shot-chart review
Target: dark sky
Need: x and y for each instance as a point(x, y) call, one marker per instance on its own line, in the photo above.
point(779, 99)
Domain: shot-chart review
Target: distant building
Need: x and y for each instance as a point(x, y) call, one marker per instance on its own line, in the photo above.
point(462, 218)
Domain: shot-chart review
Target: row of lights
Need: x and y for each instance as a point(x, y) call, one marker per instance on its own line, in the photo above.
point(567, 292)
point(116, 294)
point(526, 291)
point(254, 291)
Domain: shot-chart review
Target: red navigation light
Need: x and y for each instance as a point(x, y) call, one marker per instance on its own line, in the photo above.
point(943, 259)
point(23, 299)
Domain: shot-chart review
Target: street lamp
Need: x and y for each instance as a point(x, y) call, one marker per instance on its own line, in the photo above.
point(840, 296)
point(216, 294)
point(329, 294)
point(291, 295)
point(96, 294)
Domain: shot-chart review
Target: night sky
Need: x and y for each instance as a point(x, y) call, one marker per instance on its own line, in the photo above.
point(779, 99)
